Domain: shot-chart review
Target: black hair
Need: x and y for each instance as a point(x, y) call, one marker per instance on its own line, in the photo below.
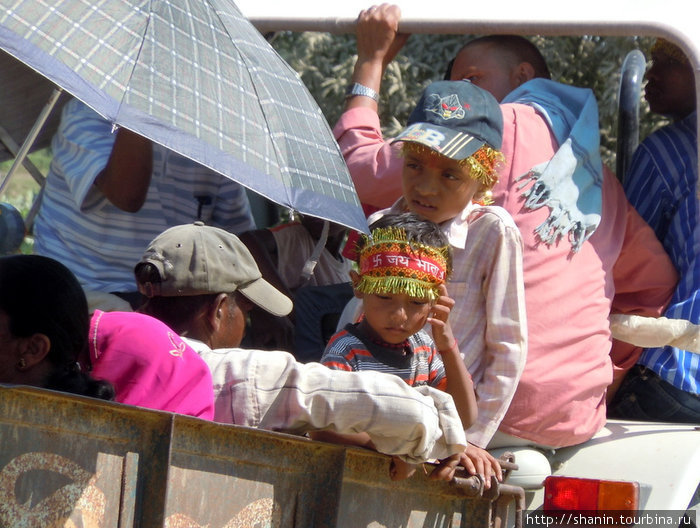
point(519, 47)
point(418, 230)
point(177, 312)
point(40, 295)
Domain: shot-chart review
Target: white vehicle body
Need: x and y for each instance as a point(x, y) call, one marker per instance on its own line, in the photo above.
point(663, 458)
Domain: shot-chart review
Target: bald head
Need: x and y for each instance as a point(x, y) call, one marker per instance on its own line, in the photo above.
point(498, 63)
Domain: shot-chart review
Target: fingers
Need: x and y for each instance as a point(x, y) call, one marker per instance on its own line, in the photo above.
point(384, 11)
point(484, 464)
point(445, 470)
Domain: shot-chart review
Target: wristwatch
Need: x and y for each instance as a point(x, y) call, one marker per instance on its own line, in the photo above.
point(360, 89)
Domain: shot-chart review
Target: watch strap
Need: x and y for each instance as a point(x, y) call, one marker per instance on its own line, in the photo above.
point(360, 89)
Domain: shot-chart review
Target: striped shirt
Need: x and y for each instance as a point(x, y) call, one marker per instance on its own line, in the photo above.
point(348, 350)
point(99, 242)
point(662, 186)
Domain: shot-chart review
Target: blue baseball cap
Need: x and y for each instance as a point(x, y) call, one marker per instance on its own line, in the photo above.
point(455, 118)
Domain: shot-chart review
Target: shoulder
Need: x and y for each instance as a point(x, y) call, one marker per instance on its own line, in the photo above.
point(79, 119)
point(494, 217)
point(674, 137)
point(133, 334)
point(341, 342)
point(421, 339)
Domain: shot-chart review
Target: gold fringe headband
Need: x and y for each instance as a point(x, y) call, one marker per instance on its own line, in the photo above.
point(391, 264)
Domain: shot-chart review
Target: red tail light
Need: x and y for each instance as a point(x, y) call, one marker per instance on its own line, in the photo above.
point(590, 495)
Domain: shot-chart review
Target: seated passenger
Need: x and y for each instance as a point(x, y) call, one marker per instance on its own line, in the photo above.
point(662, 185)
point(55, 344)
point(450, 150)
point(403, 266)
point(205, 300)
point(44, 327)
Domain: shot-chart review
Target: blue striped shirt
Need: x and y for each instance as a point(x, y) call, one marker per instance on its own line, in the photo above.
point(662, 186)
point(99, 242)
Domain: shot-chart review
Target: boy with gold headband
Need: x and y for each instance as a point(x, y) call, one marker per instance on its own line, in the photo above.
point(451, 150)
point(403, 266)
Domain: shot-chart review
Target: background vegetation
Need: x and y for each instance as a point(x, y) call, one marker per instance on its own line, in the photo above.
point(325, 62)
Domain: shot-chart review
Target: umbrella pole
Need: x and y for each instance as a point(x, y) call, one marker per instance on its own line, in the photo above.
point(29, 140)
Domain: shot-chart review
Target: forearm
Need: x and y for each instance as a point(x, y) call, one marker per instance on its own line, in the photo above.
point(358, 439)
point(400, 420)
point(375, 165)
point(125, 179)
point(378, 42)
point(460, 385)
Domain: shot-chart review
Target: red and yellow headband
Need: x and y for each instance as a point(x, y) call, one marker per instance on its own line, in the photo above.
point(391, 264)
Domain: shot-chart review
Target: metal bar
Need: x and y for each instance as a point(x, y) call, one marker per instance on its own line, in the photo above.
point(13, 148)
point(631, 76)
point(33, 133)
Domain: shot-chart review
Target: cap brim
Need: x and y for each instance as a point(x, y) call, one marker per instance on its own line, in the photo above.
point(446, 141)
point(267, 297)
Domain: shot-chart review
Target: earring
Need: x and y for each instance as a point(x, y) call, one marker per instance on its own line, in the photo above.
point(21, 364)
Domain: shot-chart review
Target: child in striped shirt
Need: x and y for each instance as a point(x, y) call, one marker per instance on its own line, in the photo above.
point(403, 266)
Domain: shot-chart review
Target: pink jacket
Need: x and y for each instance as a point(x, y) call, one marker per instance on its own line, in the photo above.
point(560, 399)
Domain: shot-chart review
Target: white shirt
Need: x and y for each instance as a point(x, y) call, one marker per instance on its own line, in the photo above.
point(271, 390)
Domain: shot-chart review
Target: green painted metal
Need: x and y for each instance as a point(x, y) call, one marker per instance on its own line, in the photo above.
point(77, 462)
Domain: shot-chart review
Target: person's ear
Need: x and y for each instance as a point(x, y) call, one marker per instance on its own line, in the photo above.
point(355, 278)
point(523, 72)
point(218, 311)
point(34, 350)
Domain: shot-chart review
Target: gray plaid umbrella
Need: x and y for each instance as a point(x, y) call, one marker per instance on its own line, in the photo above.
point(197, 77)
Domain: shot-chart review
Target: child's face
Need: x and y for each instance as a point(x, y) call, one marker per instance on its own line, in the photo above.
point(436, 187)
point(395, 317)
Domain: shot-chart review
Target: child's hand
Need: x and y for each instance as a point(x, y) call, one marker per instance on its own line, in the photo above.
point(442, 331)
point(400, 470)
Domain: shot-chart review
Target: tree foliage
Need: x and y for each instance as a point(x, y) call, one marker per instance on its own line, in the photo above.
point(325, 61)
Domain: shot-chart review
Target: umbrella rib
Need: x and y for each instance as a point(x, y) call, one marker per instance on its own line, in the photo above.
point(276, 149)
point(149, 12)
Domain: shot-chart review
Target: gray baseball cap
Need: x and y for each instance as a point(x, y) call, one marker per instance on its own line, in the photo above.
point(196, 259)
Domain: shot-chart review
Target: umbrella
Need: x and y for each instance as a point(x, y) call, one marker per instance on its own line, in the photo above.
point(198, 78)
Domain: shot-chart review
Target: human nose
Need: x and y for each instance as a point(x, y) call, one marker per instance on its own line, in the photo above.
point(399, 313)
point(426, 184)
point(652, 72)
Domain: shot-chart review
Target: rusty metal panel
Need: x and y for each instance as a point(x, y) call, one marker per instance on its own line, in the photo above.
point(230, 476)
point(67, 461)
point(72, 460)
point(371, 499)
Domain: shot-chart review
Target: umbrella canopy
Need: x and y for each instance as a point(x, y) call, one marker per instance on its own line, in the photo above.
point(198, 78)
